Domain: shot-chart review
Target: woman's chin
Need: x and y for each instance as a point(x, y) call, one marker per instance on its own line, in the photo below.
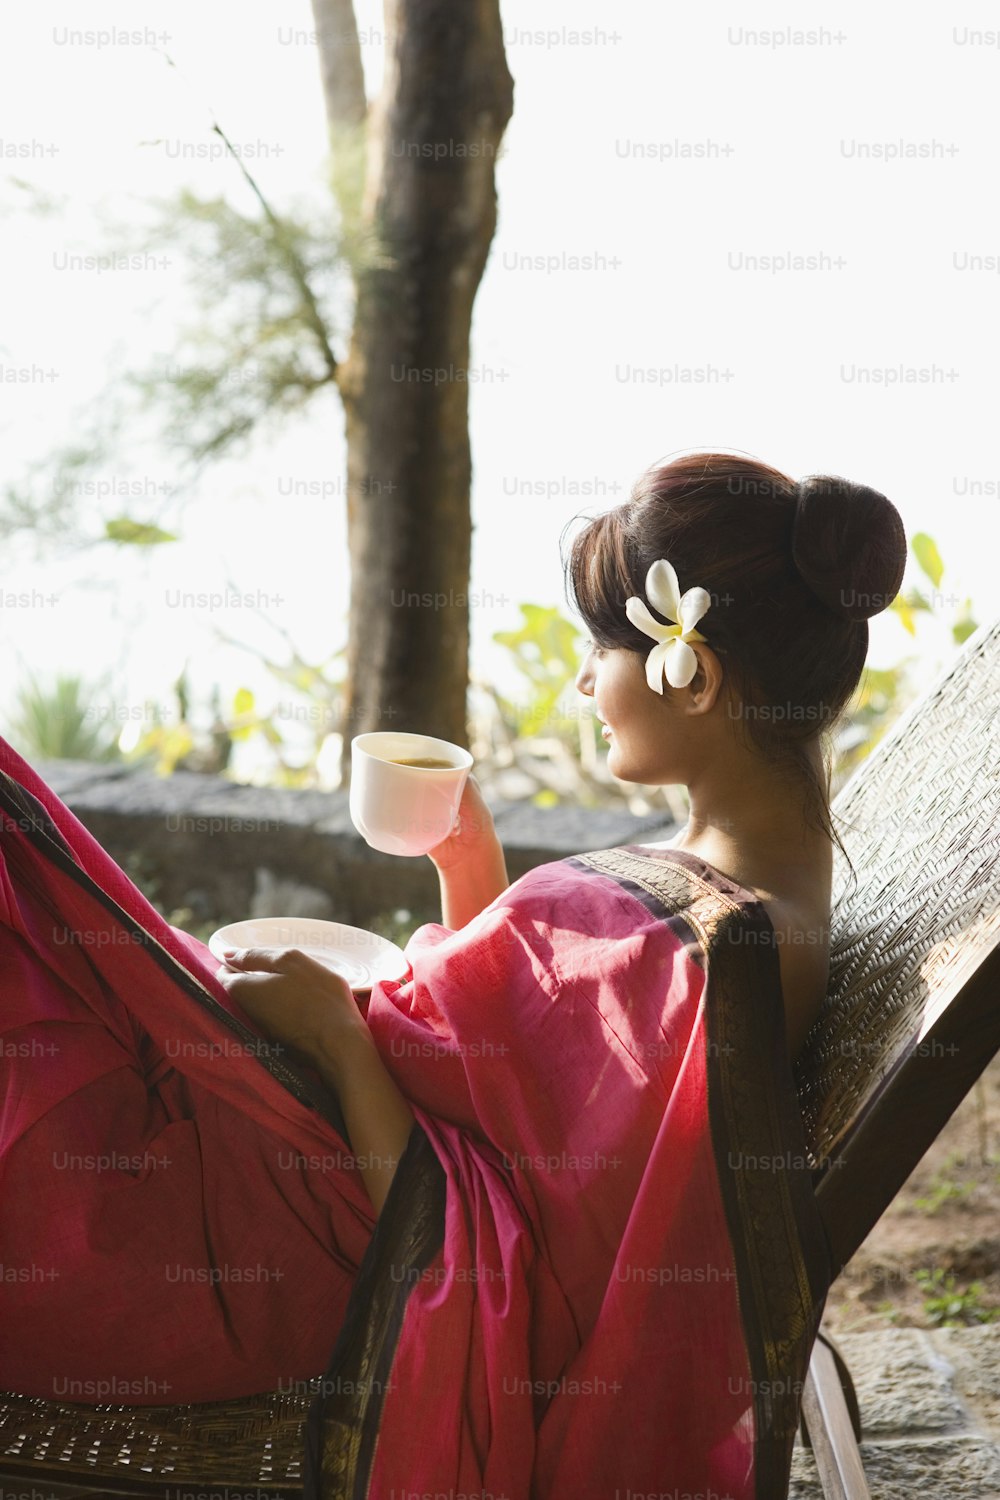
point(619, 767)
point(617, 764)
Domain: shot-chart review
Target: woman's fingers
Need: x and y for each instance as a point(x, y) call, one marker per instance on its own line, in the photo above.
point(473, 832)
point(253, 983)
point(267, 960)
point(279, 971)
point(293, 997)
point(285, 963)
point(249, 971)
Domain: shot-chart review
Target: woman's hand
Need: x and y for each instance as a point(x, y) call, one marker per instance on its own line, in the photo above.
point(299, 1001)
point(473, 832)
point(470, 861)
point(294, 999)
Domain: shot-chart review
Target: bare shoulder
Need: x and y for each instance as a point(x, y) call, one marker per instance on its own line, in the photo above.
point(797, 900)
point(802, 936)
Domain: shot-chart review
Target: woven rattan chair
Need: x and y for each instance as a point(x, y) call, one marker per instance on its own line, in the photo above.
point(912, 1015)
point(910, 1022)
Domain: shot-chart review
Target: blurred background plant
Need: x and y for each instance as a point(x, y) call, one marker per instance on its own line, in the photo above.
point(884, 693)
point(544, 747)
point(60, 720)
point(947, 1306)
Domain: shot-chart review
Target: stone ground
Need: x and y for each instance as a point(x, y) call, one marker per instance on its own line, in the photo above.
point(930, 1413)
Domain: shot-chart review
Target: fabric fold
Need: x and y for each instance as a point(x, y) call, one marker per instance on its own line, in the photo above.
point(600, 1267)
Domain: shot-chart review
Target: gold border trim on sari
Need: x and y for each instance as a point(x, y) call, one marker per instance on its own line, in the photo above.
point(779, 1245)
point(343, 1423)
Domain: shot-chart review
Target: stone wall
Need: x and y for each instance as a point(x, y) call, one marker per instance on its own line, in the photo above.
point(226, 851)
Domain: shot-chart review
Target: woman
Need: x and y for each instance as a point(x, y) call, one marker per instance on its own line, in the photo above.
point(561, 1229)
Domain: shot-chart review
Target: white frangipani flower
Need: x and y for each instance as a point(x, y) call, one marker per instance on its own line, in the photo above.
point(672, 655)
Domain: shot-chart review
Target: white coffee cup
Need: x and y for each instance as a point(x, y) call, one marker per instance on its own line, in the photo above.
point(405, 809)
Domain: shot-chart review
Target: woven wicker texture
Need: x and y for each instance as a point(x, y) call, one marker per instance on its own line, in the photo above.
point(249, 1444)
point(920, 821)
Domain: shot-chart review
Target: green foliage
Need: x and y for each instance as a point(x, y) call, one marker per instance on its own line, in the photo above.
point(906, 606)
point(884, 692)
point(318, 690)
point(65, 720)
point(944, 1189)
point(260, 347)
point(947, 1307)
point(61, 721)
point(267, 290)
point(164, 745)
point(184, 918)
point(546, 648)
point(136, 533)
point(398, 926)
point(928, 557)
point(965, 625)
point(552, 728)
point(546, 653)
point(42, 503)
point(551, 736)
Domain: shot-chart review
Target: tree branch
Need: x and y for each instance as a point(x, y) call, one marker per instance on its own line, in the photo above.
point(340, 62)
point(313, 316)
point(347, 110)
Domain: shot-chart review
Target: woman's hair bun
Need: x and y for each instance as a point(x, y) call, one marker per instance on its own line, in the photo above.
point(848, 545)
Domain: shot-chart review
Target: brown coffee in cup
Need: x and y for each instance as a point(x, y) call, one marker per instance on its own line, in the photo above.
point(406, 789)
point(426, 761)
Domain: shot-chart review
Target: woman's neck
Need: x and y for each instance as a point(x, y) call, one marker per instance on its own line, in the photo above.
point(749, 820)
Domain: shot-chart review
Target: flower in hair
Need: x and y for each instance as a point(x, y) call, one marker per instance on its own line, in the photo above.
point(672, 655)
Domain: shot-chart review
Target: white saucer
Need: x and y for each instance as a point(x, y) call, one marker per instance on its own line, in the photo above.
point(361, 957)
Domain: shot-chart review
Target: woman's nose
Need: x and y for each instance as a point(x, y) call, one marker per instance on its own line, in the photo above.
point(585, 678)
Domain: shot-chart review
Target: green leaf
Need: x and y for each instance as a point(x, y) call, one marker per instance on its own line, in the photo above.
point(136, 533)
point(927, 555)
point(916, 600)
point(901, 607)
point(964, 627)
point(243, 702)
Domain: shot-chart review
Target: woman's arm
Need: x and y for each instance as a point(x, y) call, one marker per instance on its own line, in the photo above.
point(377, 1117)
point(470, 862)
point(469, 886)
point(299, 1001)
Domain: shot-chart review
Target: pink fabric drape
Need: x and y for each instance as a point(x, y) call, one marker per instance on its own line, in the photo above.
point(175, 1225)
point(585, 1329)
point(555, 1051)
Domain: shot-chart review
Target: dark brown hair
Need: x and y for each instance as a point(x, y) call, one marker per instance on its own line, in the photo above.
point(794, 572)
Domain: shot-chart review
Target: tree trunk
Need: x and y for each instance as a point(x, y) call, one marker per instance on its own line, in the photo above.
point(428, 215)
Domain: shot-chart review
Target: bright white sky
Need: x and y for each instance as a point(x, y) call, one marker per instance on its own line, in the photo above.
point(82, 123)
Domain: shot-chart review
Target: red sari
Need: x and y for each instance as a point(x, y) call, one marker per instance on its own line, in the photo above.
point(600, 1267)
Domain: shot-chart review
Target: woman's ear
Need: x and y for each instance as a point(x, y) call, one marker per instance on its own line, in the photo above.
point(703, 690)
